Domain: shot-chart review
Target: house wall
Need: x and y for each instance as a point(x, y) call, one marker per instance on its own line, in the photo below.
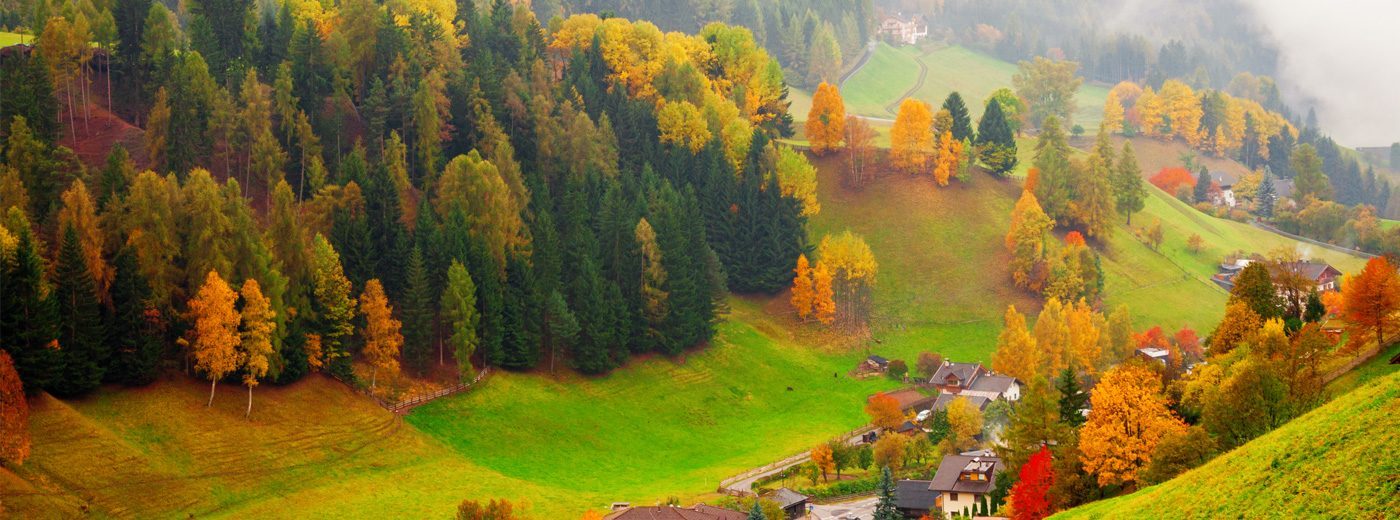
point(952, 507)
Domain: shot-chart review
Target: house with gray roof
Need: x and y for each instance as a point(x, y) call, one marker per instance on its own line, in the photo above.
point(960, 483)
point(794, 504)
point(973, 379)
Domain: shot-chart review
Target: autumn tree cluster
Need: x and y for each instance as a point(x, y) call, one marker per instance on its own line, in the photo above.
point(393, 187)
point(1069, 335)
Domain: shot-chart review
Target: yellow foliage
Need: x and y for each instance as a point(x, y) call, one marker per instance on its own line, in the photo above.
point(1184, 110)
point(1112, 112)
point(1129, 418)
point(681, 124)
point(802, 289)
point(911, 138)
point(1052, 336)
point(80, 211)
point(215, 330)
point(964, 420)
point(1151, 112)
point(797, 178)
point(826, 121)
point(823, 296)
point(1085, 327)
point(382, 336)
point(848, 257)
point(1016, 354)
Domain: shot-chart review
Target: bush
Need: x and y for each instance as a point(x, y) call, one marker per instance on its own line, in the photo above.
point(843, 487)
point(1172, 179)
point(897, 369)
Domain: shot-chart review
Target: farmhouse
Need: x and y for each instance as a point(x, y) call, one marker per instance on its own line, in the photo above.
point(907, 31)
point(696, 512)
point(1321, 275)
point(972, 379)
point(875, 364)
point(794, 504)
point(941, 403)
point(960, 483)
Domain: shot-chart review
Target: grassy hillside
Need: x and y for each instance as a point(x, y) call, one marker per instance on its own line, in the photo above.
point(883, 80)
point(892, 71)
point(1338, 461)
point(8, 38)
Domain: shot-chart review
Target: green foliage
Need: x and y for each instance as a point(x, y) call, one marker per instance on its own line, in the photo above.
point(1255, 287)
point(996, 146)
point(885, 506)
point(1072, 398)
point(962, 122)
point(28, 316)
point(82, 350)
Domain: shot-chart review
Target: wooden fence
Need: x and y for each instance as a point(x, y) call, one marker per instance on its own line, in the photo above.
point(726, 485)
point(402, 406)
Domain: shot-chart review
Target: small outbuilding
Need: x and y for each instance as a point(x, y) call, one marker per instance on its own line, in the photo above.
point(794, 504)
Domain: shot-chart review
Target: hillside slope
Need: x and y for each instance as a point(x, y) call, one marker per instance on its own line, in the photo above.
point(1337, 461)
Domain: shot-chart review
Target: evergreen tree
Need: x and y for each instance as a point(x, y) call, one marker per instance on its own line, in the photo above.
point(459, 309)
point(1265, 195)
point(28, 318)
point(1201, 193)
point(418, 312)
point(520, 317)
point(82, 351)
point(996, 144)
point(1129, 193)
point(1072, 398)
point(756, 512)
point(136, 328)
point(1055, 185)
point(885, 508)
point(962, 122)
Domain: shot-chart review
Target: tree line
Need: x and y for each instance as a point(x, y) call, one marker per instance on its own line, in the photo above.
point(415, 185)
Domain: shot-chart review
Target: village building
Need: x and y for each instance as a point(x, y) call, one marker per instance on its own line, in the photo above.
point(972, 379)
point(875, 363)
point(697, 512)
point(959, 484)
point(1322, 276)
point(899, 29)
point(794, 504)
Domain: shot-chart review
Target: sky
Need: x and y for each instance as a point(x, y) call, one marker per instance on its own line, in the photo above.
point(1343, 57)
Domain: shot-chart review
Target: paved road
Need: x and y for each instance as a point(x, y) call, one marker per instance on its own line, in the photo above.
point(746, 485)
point(863, 509)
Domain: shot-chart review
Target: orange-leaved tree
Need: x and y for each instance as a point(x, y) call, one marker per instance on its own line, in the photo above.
point(1370, 300)
point(826, 121)
point(823, 296)
point(802, 288)
point(258, 327)
point(884, 411)
point(14, 414)
point(1016, 354)
point(823, 458)
point(949, 152)
point(381, 333)
point(1130, 417)
point(216, 338)
point(911, 137)
point(1026, 240)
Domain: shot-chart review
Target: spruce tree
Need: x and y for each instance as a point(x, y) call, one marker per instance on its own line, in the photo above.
point(1072, 398)
point(82, 350)
point(520, 317)
point(962, 122)
point(28, 320)
point(1129, 193)
point(886, 508)
point(135, 329)
point(1202, 188)
point(756, 512)
point(418, 312)
point(996, 144)
point(1265, 196)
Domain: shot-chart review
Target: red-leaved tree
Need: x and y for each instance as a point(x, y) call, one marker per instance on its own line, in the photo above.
point(1030, 497)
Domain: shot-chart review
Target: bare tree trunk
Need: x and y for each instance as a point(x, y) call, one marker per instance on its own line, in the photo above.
point(72, 122)
point(87, 113)
point(249, 413)
point(212, 382)
point(108, 60)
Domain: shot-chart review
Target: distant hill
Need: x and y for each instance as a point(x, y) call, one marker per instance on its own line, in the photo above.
point(1338, 461)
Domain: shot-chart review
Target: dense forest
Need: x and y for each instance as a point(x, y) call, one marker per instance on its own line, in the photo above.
point(408, 172)
point(815, 40)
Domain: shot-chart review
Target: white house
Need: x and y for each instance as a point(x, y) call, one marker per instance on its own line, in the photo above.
point(906, 31)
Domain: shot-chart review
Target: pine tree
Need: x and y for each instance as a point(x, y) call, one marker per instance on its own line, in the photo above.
point(996, 145)
point(1265, 195)
point(459, 309)
point(1202, 188)
point(418, 313)
point(885, 508)
point(1054, 188)
point(520, 317)
point(1129, 193)
point(1072, 397)
point(756, 512)
point(962, 122)
point(28, 317)
point(136, 326)
point(83, 353)
point(656, 307)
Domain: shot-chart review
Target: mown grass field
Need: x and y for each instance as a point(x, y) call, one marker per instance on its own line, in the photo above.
point(8, 38)
point(1337, 461)
point(892, 71)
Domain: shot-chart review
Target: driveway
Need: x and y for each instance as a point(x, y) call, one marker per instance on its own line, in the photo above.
point(863, 509)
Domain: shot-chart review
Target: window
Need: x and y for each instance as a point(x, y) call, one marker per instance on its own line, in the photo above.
point(953, 497)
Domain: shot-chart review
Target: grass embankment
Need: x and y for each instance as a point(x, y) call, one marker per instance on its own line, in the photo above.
point(8, 38)
point(1337, 461)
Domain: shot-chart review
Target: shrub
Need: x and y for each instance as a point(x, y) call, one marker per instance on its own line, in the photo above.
point(1173, 178)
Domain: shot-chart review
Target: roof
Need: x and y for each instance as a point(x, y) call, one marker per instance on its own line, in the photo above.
point(946, 479)
point(1154, 352)
point(698, 512)
point(943, 399)
point(914, 494)
point(1316, 270)
point(962, 371)
point(992, 383)
point(787, 498)
point(878, 360)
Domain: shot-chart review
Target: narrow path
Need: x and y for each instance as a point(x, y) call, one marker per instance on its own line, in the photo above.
point(742, 484)
point(893, 108)
point(860, 64)
point(1307, 240)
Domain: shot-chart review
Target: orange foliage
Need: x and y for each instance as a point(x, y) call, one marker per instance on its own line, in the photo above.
point(1074, 238)
point(884, 411)
point(826, 121)
point(14, 414)
point(1130, 417)
point(1032, 179)
point(802, 288)
point(1153, 337)
point(1370, 300)
point(1172, 178)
